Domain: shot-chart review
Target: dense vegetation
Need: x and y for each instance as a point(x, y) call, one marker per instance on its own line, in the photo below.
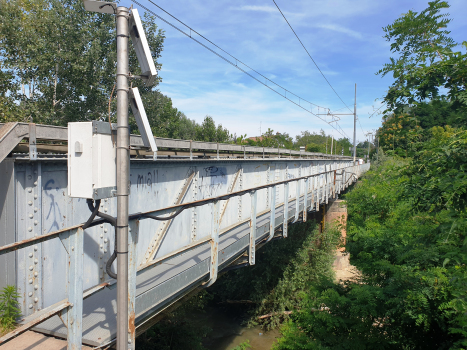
point(283, 270)
point(407, 217)
point(407, 235)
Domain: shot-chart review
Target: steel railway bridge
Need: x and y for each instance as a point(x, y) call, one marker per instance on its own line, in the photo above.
point(198, 209)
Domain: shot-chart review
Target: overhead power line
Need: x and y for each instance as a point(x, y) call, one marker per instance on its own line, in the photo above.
point(376, 111)
point(235, 58)
point(360, 125)
point(311, 57)
point(235, 64)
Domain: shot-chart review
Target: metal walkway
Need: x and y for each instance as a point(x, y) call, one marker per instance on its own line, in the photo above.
point(226, 205)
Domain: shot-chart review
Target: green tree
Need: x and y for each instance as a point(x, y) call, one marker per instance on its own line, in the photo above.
point(313, 147)
point(208, 131)
point(58, 61)
point(426, 64)
point(274, 140)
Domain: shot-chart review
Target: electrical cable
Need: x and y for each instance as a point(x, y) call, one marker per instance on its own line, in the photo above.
point(375, 111)
point(360, 125)
point(235, 58)
point(236, 62)
point(110, 219)
point(311, 57)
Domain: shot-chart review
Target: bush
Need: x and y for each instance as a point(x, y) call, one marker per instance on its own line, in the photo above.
point(406, 233)
point(9, 310)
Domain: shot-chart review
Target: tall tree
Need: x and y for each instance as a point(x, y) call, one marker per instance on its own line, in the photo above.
point(58, 61)
point(426, 65)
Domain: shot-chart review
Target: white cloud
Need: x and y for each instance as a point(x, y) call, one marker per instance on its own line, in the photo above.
point(258, 8)
point(340, 29)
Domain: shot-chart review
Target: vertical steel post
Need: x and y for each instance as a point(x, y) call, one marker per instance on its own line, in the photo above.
point(334, 185)
point(297, 201)
point(132, 269)
point(355, 126)
point(75, 289)
point(191, 150)
point(326, 181)
point(286, 210)
point(214, 244)
point(305, 206)
point(318, 182)
point(251, 253)
point(312, 188)
point(123, 176)
point(272, 220)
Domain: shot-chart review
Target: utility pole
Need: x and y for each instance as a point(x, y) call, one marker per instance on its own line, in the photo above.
point(123, 176)
point(354, 123)
point(332, 141)
point(368, 135)
point(377, 150)
point(355, 126)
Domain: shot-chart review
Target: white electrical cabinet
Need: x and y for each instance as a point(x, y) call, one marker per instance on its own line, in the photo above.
point(91, 160)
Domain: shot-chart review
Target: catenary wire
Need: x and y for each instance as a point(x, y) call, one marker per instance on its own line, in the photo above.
point(235, 58)
point(311, 57)
point(360, 124)
point(340, 130)
point(375, 111)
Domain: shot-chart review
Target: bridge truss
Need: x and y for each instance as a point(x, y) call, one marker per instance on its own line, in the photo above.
point(198, 209)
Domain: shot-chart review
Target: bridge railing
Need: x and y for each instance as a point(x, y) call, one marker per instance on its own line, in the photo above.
point(53, 139)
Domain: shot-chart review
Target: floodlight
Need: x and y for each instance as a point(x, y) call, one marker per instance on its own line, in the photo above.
point(101, 6)
point(138, 37)
point(142, 120)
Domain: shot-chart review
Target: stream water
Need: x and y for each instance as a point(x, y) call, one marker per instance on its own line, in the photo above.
point(228, 331)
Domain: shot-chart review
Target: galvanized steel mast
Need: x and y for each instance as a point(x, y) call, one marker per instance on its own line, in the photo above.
point(123, 176)
point(355, 126)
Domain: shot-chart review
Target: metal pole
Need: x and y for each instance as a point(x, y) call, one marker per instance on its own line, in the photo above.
point(332, 141)
point(355, 126)
point(123, 176)
point(368, 157)
point(377, 150)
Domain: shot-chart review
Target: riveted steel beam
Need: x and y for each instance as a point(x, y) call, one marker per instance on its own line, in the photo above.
point(252, 247)
point(214, 265)
point(163, 228)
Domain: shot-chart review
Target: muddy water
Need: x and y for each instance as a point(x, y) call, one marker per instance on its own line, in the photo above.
point(228, 331)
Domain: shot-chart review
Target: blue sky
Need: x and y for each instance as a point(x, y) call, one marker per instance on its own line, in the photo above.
point(343, 36)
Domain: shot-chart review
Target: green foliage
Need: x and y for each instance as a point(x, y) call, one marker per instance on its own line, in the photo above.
point(406, 233)
point(46, 48)
point(9, 310)
point(320, 142)
point(283, 270)
point(58, 62)
point(210, 133)
point(426, 65)
point(177, 331)
point(271, 139)
point(243, 346)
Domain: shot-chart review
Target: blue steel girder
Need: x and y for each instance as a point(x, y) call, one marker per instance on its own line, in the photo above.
point(185, 255)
